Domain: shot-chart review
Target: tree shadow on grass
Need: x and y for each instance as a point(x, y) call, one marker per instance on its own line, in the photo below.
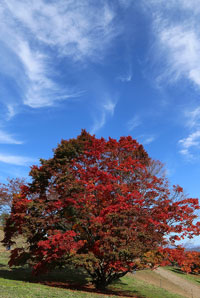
point(24, 273)
point(119, 286)
point(68, 278)
point(15, 273)
point(90, 288)
point(177, 270)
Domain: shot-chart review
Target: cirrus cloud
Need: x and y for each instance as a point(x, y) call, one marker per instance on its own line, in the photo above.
point(36, 33)
point(6, 138)
point(175, 26)
point(16, 160)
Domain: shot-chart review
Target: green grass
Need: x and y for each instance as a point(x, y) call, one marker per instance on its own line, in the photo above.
point(18, 283)
point(191, 277)
point(19, 289)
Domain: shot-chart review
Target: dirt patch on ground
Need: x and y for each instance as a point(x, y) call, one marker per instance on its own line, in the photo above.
point(170, 282)
point(191, 289)
point(2, 248)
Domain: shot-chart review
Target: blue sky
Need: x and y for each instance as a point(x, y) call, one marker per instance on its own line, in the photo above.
point(118, 67)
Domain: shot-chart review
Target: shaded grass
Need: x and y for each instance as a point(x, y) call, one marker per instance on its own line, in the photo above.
point(19, 283)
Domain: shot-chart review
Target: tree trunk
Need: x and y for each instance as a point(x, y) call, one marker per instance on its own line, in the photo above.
point(101, 284)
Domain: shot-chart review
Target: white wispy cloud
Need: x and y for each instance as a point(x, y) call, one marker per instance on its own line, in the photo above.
point(193, 140)
point(192, 5)
point(177, 47)
point(98, 123)
point(16, 160)
point(33, 30)
point(148, 139)
point(182, 48)
point(134, 122)
point(126, 78)
point(105, 111)
point(6, 138)
point(190, 143)
point(76, 29)
point(11, 111)
point(193, 117)
point(109, 107)
point(181, 5)
point(126, 3)
point(40, 87)
point(31, 71)
point(177, 39)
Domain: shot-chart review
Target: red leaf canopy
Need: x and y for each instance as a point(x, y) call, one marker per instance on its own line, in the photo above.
point(98, 204)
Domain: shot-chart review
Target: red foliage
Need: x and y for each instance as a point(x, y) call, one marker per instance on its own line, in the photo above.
point(98, 204)
point(189, 261)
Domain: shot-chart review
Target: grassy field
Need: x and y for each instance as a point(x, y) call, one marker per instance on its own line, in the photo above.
point(18, 283)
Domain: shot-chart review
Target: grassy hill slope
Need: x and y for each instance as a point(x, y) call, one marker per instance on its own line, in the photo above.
point(18, 283)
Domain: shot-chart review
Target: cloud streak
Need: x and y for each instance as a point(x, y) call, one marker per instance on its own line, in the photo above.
point(6, 138)
point(16, 160)
point(177, 39)
point(106, 110)
point(193, 118)
point(183, 47)
point(175, 25)
point(149, 139)
point(133, 123)
point(11, 111)
point(192, 141)
point(126, 78)
point(75, 28)
point(38, 32)
point(126, 3)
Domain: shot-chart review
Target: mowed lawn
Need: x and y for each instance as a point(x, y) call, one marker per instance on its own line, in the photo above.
point(19, 283)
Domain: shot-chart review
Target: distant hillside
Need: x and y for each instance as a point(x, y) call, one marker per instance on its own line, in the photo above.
point(193, 248)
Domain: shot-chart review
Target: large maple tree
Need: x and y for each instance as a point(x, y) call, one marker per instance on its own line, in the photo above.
point(99, 205)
